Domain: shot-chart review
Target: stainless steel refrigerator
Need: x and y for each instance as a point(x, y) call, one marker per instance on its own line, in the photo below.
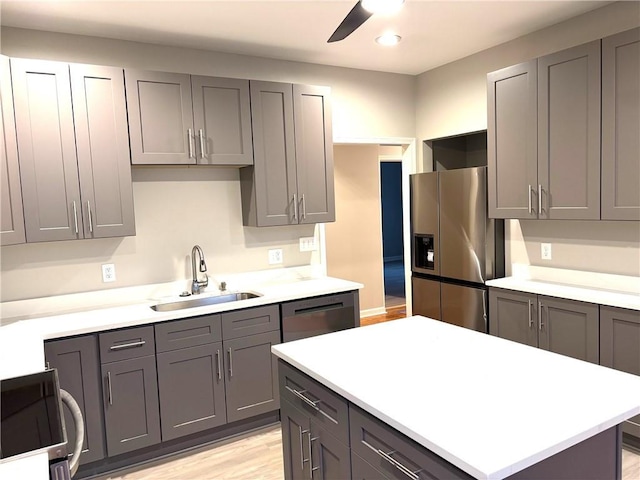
point(455, 247)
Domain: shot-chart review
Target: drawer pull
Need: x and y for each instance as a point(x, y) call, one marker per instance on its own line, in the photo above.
point(302, 397)
point(398, 465)
point(127, 345)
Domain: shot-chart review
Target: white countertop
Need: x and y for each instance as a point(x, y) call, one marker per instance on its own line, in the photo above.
point(490, 406)
point(603, 289)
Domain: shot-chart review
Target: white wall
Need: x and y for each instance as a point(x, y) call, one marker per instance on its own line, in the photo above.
point(177, 207)
point(452, 99)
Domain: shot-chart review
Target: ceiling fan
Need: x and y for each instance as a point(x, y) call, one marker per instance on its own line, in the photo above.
point(360, 13)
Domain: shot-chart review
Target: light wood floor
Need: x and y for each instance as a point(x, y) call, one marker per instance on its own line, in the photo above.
point(258, 456)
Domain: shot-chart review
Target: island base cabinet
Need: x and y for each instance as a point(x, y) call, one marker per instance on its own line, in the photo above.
point(76, 360)
point(393, 454)
point(191, 390)
point(295, 426)
point(131, 414)
point(330, 458)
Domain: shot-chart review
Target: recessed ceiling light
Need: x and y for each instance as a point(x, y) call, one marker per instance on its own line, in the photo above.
point(382, 6)
point(388, 39)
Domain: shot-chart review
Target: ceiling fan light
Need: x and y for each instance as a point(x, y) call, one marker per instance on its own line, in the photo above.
point(382, 6)
point(388, 39)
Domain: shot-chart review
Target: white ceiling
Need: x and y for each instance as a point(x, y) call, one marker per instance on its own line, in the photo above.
point(434, 32)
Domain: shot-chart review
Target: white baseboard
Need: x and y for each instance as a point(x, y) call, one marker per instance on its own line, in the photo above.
point(371, 312)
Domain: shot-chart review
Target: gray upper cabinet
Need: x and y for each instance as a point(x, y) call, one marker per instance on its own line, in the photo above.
point(75, 172)
point(47, 150)
point(512, 141)
point(160, 117)
point(559, 325)
point(182, 119)
point(621, 126)
point(11, 217)
point(569, 133)
point(222, 121)
point(76, 360)
point(620, 348)
point(102, 143)
point(291, 181)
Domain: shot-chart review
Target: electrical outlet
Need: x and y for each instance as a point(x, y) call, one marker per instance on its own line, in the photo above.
point(308, 244)
point(108, 272)
point(545, 251)
point(275, 256)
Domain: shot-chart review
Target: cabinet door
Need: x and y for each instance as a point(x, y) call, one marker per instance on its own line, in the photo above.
point(47, 149)
point(512, 315)
point(620, 348)
point(620, 126)
point(314, 153)
point(102, 141)
point(160, 117)
point(511, 141)
point(569, 327)
point(275, 199)
point(330, 458)
point(251, 376)
point(131, 414)
point(295, 427)
point(222, 121)
point(569, 133)
point(191, 390)
point(79, 373)
point(11, 217)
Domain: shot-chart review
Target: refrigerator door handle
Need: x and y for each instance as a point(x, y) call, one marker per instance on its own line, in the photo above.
point(484, 306)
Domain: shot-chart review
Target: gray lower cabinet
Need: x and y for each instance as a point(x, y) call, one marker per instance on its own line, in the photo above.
point(620, 126)
point(78, 365)
point(291, 181)
point(559, 325)
point(130, 389)
point(11, 216)
point(75, 172)
point(620, 349)
point(361, 470)
point(183, 119)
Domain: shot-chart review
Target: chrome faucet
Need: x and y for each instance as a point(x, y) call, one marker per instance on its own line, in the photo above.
point(196, 285)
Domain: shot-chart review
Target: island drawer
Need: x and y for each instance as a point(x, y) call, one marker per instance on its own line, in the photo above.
point(189, 332)
point(250, 321)
point(394, 454)
point(127, 343)
point(325, 407)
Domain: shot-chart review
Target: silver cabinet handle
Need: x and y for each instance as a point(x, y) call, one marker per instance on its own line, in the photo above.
point(484, 306)
point(311, 467)
point(302, 397)
point(540, 324)
point(529, 195)
point(398, 465)
point(190, 135)
point(75, 216)
point(90, 219)
point(127, 345)
point(304, 208)
point(295, 207)
point(201, 135)
point(230, 365)
point(530, 317)
point(109, 388)
point(539, 200)
point(302, 459)
point(219, 366)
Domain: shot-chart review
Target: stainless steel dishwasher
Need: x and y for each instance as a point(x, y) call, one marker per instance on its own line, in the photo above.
point(318, 315)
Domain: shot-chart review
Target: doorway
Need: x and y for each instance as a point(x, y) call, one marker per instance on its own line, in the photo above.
point(392, 232)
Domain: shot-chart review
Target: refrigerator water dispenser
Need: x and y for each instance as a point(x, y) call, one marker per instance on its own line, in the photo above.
point(424, 251)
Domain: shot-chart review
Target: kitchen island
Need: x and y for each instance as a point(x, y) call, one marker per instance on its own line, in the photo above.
point(419, 398)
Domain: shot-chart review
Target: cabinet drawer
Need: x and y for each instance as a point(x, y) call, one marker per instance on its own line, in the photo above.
point(250, 321)
point(326, 408)
point(395, 455)
point(124, 344)
point(189, 332)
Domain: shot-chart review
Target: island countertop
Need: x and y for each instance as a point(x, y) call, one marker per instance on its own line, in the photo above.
point(489, 406)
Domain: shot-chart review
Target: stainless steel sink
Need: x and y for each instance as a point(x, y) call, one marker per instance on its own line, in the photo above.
point(203, 301)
